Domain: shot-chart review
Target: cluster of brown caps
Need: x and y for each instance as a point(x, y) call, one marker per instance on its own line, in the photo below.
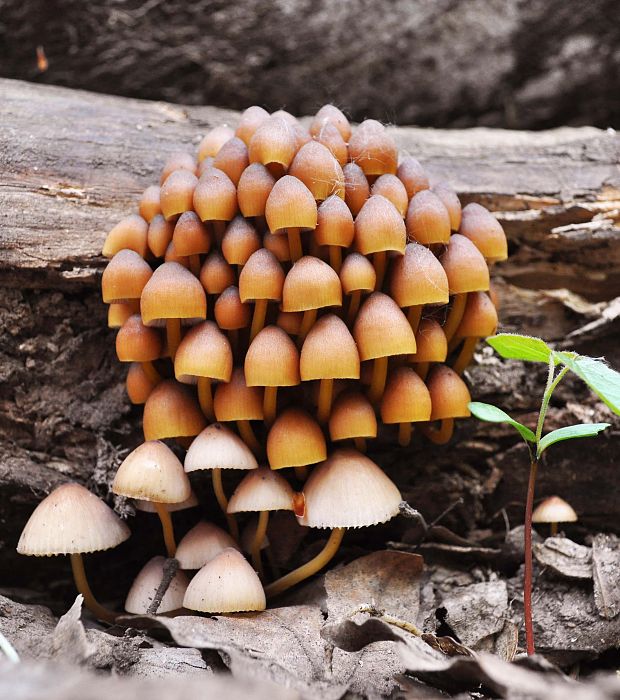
point(295, 283)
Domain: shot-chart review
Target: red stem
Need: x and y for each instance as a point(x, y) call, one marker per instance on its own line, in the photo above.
point(527, 580)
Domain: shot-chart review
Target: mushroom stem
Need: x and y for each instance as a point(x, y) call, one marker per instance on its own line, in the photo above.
point(218, 489)
point(360, 443)
point(205, 397)
point(455, 315)
point(306, 324)
point(335, 257)
point(79, 576)
point(379, 260)
point(270, 402)
point(440, 435)
point(151, 372)
point(553, 529)
point(301, 473)
point(379, 375)
point(309, 568)
point(173, 333)
point(326, 390)
point(247, 435)
point(258, 319)
point(194, 264)
point(294, 243)
point(354, 305)
point(421, 369)
point(259, 537)
point(414, 314)
point(465, 356)
point(404, 434)
point(167, 527)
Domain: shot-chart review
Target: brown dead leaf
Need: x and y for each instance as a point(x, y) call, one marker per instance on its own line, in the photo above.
point(606, 572)
point(565, 557)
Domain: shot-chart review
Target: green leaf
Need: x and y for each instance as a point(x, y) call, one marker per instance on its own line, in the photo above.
point(602, 379)
point(492, 414)
point(570, 433)
point(520, 347)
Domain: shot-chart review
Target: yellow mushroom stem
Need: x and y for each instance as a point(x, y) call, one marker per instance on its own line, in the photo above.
point(220, 496)
point(404, 434)
point(307, 322)
point(414, 314)
point(151, 372)
point(173, 333)
point(167, 527)
point(335, 258)
point(194, 264)
point(421, 369)
point(379, 375)
point(354, 305)
point(465, 356)
point(326, 390)
point(360, 443)
point(205, 397)
point(440, 435)
point(379, 260)
point(455, 315)
point(247, 435)
point(270, 403)
point(259, 538)
point(553, 529)
point(258, 319)
point(309, 568)
point(79, 576)
point(294, 243)
point(301, 473)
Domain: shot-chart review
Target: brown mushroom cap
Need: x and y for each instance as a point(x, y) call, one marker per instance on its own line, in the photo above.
point(381, 329)
point(431, 342)
point(159, 235)
point(181, 160)
point(320, 172)
point(352, 416)
point(145, 585)
point(272, 359)
point(450, 201)
point(479, 318)
point(427, 220)
point(125, 277)
point(390, 187)
point(332, 139)
point(330, 114)
point(406, 398)
point(130, 233)
point(232, 159)
point(278, 245)
point(373, 149)
point(379, 227)
point(554, 510)
point(240, 241)
point(204, 352)
point(172, 292)
point(136, 342)
point(465, 267)
point(262, 277)
point(311, 284)
point(190, 235)
point(295, 440)
point(119, 312)
point(215, 196)
point(216, 274)
point(485, 231)
point(171, 411)
point(329, 351)
point(290, 205)
point(261, 490)
point(334, 223)
point(230, 312)
point(449, 394)
point(418, 278)
point(273, 143)
point(172, 256)
point(177, 193)
point(235, 400)
point(213, 141)
point(71, 520)
point(139, 385)
point(357, 274)
point(413, 176)
point(201, 544)
point(290, 321)
point(250, 120)
point(217, 447)
point(149, 203)
point(253, 188)
point(356, 187)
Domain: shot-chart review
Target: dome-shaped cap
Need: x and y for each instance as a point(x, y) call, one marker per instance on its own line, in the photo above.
point(406, 398)
point(181, 160)
point(261, 490)
point(295, 440)
point(226, 584)
point(554, 510)
point(290, 205)
point(418, 278)
point(171, 411)
point(320, 172)
point(381, 329)
point(331, 138)
point(136, 342)
point(273, 143)
point(373, 149)
point(352, 416)
point(71, 520)
point(159, 235)
point(390, 187)
point(334, 223)
point(465, 267)
point(278, 245)
point(201, 544)
point(235, 400)
point(379, 227)
point(213, 141)
point(172, 292)
point(290, 321)
point(230, 312)
point(449, 394)
point(450, 201)
point(485, 231)
point(262, 277)
point(413, 176)
point(356, 187)
point(190, 235)
point(479, 318)
point(253, 188)
point(217, 447)
point(177, 192)
point(145, 585)
point(240, 241)
point(124, 277)
point(215, 196)
point(152, 472)
point(171, 256)
point(119, 312)
point(138, 384)
point(249, 121)
point(216, 274)
point(329, 351)
point(311, 284)
point(330, 114)
point(149, 507)
point(204, 352)
point(349, 490)
point(427, 220)
point(357, 274)
point(431, 342)
point(232, 159)
point(149, 203)
point(272, 359)
point(130, 233)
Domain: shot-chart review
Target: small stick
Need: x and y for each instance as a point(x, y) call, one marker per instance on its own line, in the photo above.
point(171, 566)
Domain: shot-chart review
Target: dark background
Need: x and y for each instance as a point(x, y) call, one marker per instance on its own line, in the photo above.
point(526, 64)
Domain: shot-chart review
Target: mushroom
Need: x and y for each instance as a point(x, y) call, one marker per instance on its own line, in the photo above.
point(449, 398)
point(232, 159)
point(249, 121)
point(239, 242)
point(149, 203)
point(347, 490)
point(255, 184)
point(390, 187)
point(330, 114)
point(213, 141)
point(177, 192)
point(148, 506)
point(451, 202)
point(373, 149)
point(125, 277)
point(71, 520)
point(356, 187)
point(278, 245)
point(138, 384)
point(332, 139)
point(290, 321)
point(554, 510)
point(320, 172)
point(357, 275)
point(215, 200)
point(334, 228)
point(201, 544)
point(191, 239)
point(130, 233)
point(479, 321)
point(152, 472)
point(235, 401)
point(485, 232)
point(428, 220)
point(413, 176)
point(119, 312)
point(261, 281)
point(144, 589)
point(295, 440)
point(231, 315)
point(431, 346)
point(159, 235)
point(274, 145)
point(216, 274)
point(136, 342)
point(171, 256)
point(181, 160)
point(171, 412)
point(353, 417)
point(406, 400)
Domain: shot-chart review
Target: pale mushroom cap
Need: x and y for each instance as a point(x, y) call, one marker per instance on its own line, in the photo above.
point(290, 205)
point(356, 187)
point(124, 277)
point(204, 352)
point(451, 202)
point(71, 520)
point(201, 544)
point(261, 278)
point(130, 233)
point(172, 292)
point(216, 274)
point(240, 241)
point(554, 510)
point(217, 447)
point(479, 318)
point(320, 172)
point(235, 400)
point(379, 227)
point(261, 490)
point(227, 584)
point(215, 196)
point(329, 351)
point(390, 187)
point(406, 398)
point(148, 507)
point(272, 359)
point(465, 267)
point(152, 472)
point(295, 440)
point(253, 189)
point(357, 274)
point(177, 192)
point(349, 490)
point(145, 586)
point(431, 342)
point(450, 396)
point(485, 231)
point(311, 284)
point(418, 278)
point(334, 223)
point(352, 416)
point(428, 220)
point(171, 411)
point(413, 176)
point(381, 329)
point(213, 141)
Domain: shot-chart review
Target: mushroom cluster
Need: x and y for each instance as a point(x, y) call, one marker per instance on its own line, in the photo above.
point(276, 298)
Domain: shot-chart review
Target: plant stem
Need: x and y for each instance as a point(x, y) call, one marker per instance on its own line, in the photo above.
point(527, 579)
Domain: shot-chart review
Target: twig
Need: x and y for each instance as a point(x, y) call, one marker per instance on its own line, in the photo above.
point(171, 566)
point(373, 611)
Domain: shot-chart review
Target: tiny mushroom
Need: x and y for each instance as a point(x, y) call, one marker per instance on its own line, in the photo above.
point(145, 585)
point(201, 544)
point(554, 510)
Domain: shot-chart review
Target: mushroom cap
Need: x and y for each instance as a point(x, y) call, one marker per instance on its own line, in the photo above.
point(262, 277)
point(381, 329)
point(213, 141)
point(330, 114)
point(449, 394)
point(406, 398)
point(431, 342)
point(311, 284)
point(349, 490)
point(171, 411)
point(181, 160)
point(272, 359)
point(136, 342)
point(124, 277)
point(201, 544)
point(119, 312)
point(290, 321)
point(215, 196)
point(329, 351)
point(152, 472)
point(356, 187)
point(290, 205)
point(418, 278)
point(216, 274)
point(261, 490)
point(177, 192)
point(295, 440)
point(390, 187)
point(236, 401)
point(413, 176)
point(204, 352)
point(130, 233)
point(217, 447)
point(357, 274)
point(320, 172)
point(148, 507)
point(373, 149)
point(230, 312)
point(232, 159)
point(278, 245)
point(485, 231)
point(159, 235)
point(379, 227)
point(352, 416)
point(427, 220)
point(250, 120)
point(190, 235)
point(330, 137)
point(479, 318)
point(226, 584)
point(334, 223)
point(149, 203)
point(273, 143)
point(139, 386)
point(71, 520)
point(253, 188)
point(172, 292)
point(145, 585)
point(465, 267)
point(450, 201)
point(171, 255)
point(554, 510)
point(240, 241)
